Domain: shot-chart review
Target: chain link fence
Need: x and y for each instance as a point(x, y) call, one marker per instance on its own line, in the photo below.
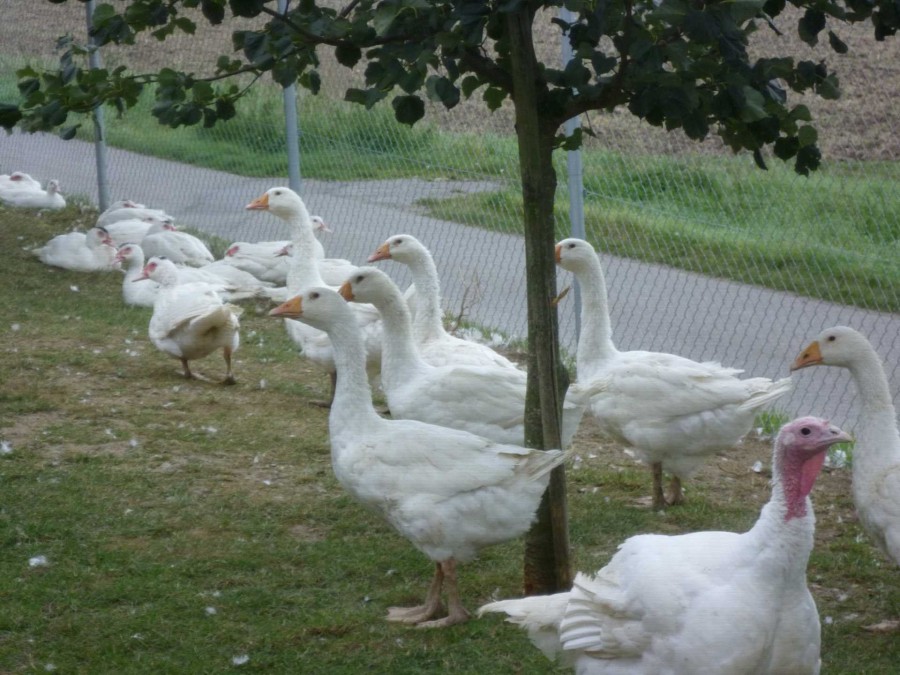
point(705, 255)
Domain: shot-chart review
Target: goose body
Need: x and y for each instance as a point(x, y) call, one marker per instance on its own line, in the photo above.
point(304, 273)
point(163, 240)
point(129, 210)
point(18, 180)
point(260, 259)
point(31, 198)
point(436, 346)
point(449, 492)
point(876, 453)
point(488, 400)
point(134, 229)
point(673, 411)
point(90, 251)
point(705, 603)
point(190, 320)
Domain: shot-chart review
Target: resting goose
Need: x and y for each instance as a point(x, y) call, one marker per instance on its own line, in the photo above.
point(79, 251)
point(30, 198)
point(135, 229)
point(488, 400)
point(18, 180)
point(876, 453)
point(449, 492)
point(129, 210)
point(163, 239)
point(304, 273)
point(435, 344)
point(674, 412)
point(190, 320)
point(137, 290)
point(705, 602)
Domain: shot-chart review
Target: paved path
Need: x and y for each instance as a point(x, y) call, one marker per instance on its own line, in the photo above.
point(652, 306)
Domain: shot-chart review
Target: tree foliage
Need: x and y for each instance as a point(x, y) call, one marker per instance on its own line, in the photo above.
point(680, 64)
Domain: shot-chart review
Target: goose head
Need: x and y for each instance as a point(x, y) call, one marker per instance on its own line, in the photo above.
point(319, 224)
point(52, 186)
point(368, 284)
point(127, 253)
point(161, 270)
point(318, 306)
point(98, 236)
point(838, 346)
point(575, 254)
point(403, 248)
point(160, 225)
point(280, 201)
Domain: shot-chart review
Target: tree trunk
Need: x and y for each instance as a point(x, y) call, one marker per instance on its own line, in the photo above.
point(547, 568)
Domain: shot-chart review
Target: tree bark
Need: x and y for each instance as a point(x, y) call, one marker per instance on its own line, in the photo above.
point(547, 568)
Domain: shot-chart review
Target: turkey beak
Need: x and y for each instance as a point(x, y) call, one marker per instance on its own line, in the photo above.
point(557, 254)
point(383, 252)
point(811, 356)
point(838, 436)
point(259, 204)
point(346, 291)
point(291, 309)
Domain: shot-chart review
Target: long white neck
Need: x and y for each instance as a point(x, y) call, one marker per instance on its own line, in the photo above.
point(876, 431)
point(303, 271)
point(352, 404)
point(400, 357)
point(134, 265)
point(428, 323)
point(166, 275)
point(595, 345)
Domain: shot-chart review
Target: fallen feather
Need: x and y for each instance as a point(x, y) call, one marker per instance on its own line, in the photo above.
point(5, 448)
point(240, 659)
point(38, 561)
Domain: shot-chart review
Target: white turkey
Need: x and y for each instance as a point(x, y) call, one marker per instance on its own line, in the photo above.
point(876, 453)
point(449, 492)
point(303, 273)
point(436, 345)
point(488, 400)
point(90, 251)
point(28, 198)
point(705, 603)
point(190, 320)
point(674, 412)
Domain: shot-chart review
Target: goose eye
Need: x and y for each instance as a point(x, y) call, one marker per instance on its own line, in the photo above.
point(806, 431)
point(397, 242)
point(360, 278)
point(313, 296)
point(571, 245)
point(832, 338)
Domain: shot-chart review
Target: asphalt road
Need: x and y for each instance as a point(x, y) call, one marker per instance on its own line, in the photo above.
point(653, 307)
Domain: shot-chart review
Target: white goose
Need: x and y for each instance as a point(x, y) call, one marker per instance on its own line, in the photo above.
point(436, 346)
point(79, 251)
point(18, 180)
point(876, 453)
point(700, 603)
point(449, 492)
point(137, 290)
point(180, 247)
point(673, 411)
point(304, 273)
point(189, 320)
point(134, 230)
point(29, 198)
point(487, 400)
point(129, 210)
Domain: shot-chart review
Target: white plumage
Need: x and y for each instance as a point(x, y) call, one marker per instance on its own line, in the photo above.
point(436, 345)
point(705, 603)
point(35, 198)
point(162, 239)
point(90, 251)
point(449, 492)
point(129, 210)
point(190, 320)
point(304, 273)
point(674, 412)
point(876, 453)
point(18, 180)
point(133, 230)
point(487, 400)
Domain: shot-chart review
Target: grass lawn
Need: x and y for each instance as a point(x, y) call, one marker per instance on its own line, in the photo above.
point(154, 525)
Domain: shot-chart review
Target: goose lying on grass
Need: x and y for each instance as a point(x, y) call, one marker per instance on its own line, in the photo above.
point(90, 251)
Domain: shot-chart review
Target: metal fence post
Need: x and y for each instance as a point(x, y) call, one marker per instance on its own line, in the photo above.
point(99, 129)
point(292, 132)
point(575, 175)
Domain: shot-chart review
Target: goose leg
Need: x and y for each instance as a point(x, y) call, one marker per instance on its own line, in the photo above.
point(457, 613)
point(422, 612)
point(677, 495)
point(659, 499)
point(229, 375)
point(187, 369)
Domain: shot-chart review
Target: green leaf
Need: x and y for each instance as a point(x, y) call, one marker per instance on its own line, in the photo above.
point(408, 109)
point(68, 133)
point(754, 105)
point(347, 54)
point(247, 8)
point(469, 84)
point(807, 135)
point(384, 18)
point(810, 25)
point(9, 116)
point(213, 10)
point(836, 43)
point(493, 97)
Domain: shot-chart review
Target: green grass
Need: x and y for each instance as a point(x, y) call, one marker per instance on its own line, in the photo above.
point(186, 524)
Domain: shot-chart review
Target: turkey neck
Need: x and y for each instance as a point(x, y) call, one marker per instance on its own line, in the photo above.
point(352, 404)
point(303, 271)
point(595, 345)
point(429, 322)
point(400, 358)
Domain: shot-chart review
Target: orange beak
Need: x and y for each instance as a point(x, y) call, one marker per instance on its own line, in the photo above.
point(291, 309)
point(811, 356)
point(557, 253)
point(259, 204)
point(346, 291)
point(383, 252)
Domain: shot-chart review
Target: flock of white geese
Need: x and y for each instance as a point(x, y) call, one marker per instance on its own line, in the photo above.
point(448, 469)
